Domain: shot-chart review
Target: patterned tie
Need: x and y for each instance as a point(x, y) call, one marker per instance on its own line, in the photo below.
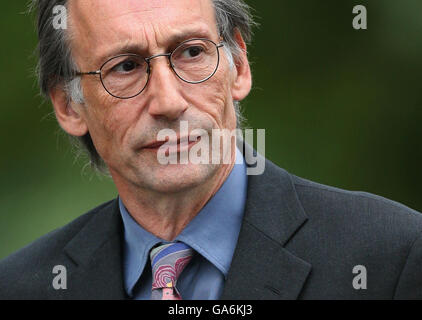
point(168, 262)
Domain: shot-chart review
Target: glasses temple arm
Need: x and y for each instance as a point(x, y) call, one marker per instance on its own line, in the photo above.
point(88, 73)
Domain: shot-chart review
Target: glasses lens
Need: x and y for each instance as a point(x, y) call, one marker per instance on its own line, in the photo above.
point(195, 60)
point(125, 76)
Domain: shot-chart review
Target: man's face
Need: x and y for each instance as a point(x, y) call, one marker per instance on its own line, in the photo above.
point(120, 129)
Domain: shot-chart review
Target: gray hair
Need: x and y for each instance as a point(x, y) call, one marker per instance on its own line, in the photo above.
point(56, 66)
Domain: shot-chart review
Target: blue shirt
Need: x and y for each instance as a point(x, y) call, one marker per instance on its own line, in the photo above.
point(212, 234)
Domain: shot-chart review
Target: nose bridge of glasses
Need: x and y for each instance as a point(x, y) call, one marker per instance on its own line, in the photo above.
point(158, 55)
point(148, 60)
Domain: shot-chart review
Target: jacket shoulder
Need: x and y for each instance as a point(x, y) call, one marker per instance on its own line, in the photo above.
point(356, 203)
point(350, 228)
point(22, 266)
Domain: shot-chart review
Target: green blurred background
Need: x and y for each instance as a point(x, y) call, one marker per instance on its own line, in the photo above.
point(340, 107)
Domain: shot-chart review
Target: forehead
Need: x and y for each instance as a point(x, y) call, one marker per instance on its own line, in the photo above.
point(99, 25)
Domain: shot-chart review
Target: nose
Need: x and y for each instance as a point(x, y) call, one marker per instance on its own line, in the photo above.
point(165, 98)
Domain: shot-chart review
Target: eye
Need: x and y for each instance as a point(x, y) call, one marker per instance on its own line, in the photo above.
point(126, 66)
point(192, 52)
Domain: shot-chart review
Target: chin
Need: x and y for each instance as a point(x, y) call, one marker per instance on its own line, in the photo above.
point(175, 178)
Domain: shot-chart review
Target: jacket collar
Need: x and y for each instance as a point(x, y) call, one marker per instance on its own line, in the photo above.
point(262, 268)
point(96, 252)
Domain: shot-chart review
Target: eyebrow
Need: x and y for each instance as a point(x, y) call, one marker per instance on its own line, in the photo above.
point(132, 47)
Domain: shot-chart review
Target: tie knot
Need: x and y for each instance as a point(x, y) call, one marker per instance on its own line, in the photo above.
point(167, 262)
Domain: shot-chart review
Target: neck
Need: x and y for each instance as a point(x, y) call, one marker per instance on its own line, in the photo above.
point(165, 215)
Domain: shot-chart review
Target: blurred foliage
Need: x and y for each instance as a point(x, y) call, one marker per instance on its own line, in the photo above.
point(340, 107)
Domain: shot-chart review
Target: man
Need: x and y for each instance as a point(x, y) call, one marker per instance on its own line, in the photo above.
point(122, 72)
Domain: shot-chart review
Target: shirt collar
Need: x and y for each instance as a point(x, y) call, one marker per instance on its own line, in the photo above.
point(212, 233)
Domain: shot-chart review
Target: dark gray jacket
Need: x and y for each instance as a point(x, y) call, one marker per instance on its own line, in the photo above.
point(299, 240)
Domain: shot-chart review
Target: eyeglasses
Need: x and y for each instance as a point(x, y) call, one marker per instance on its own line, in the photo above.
point(125, 76)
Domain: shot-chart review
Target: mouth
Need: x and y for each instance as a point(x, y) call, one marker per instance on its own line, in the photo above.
point(179, 145)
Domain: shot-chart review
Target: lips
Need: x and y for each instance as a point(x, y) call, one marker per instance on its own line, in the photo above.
point(173, 145)
point(154, 145)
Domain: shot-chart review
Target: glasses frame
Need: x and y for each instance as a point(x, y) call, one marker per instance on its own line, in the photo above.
point(148, 60)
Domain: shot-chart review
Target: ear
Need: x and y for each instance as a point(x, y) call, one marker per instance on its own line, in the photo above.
point(243, 80)
point(68, 113)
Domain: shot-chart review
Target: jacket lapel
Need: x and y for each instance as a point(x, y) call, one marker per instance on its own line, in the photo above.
point(96, 253)
point(261, 267)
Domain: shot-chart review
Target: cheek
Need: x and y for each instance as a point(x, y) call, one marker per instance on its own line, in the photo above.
point(213, 97)
point(108, 121)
